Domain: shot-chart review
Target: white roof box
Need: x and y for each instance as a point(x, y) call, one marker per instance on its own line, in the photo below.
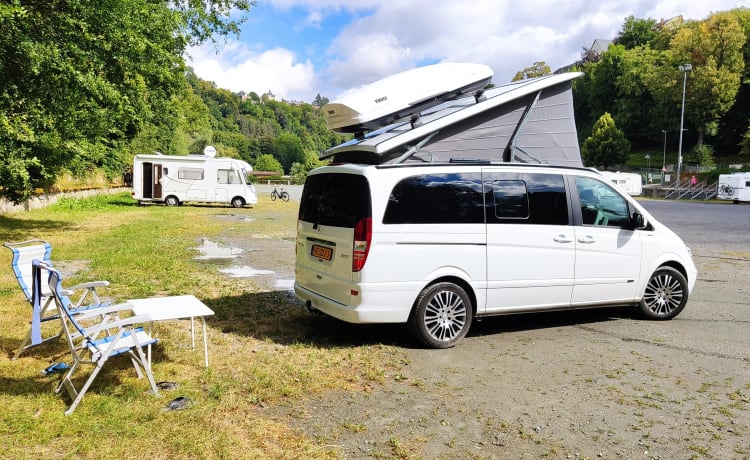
point(404, 95)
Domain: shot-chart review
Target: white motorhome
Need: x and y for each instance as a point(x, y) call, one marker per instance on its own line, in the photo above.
point(478, 206)
point(174, 180)
point(632, 183)
point(735, 187)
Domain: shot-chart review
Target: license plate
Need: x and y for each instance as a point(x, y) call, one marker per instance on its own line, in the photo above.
point(322, 252)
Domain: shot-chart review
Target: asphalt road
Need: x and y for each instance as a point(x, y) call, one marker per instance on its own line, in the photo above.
point(706, 226)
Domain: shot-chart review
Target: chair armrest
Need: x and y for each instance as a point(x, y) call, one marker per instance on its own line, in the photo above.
point(120, 323)
point(89, 285)
point(104, 310)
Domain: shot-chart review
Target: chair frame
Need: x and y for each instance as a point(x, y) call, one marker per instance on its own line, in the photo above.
point(24, 252)
point(108, 336)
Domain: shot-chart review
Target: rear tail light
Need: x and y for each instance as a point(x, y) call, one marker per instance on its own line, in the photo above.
point(362, 234)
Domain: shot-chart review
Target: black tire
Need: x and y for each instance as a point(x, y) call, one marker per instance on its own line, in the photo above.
point(273, 195)
point(441, 316)
point(171, 200)
point(665, 296)
point(284, 196)
point(238, 202)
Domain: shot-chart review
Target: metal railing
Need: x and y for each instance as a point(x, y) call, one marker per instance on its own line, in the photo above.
point(699, 191)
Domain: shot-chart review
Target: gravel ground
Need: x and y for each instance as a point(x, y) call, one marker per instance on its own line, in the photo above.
point(586, 384)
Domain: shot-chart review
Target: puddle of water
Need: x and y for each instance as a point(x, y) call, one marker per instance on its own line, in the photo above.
point(236, 217)
point(245, 271)
point(211, 250)
point(285, 285)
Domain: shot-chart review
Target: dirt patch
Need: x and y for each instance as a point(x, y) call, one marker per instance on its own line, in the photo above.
point(588, 384)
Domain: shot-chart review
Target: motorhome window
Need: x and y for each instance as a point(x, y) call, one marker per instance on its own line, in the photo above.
point(547, 203)
point(436, 199)
point(190, 173)
point(747, 183)
point(600, 204)
point(228, 176)
point(336, 200)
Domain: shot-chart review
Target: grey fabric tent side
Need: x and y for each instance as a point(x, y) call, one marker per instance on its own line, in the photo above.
point(525, 122)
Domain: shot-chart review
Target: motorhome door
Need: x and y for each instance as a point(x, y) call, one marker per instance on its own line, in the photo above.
point(151, 183)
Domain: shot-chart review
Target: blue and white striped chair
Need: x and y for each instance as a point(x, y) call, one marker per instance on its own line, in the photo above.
point(97, 335)
point(24, 253)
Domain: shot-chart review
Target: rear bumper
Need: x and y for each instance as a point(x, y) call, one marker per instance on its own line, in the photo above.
point(381, 306)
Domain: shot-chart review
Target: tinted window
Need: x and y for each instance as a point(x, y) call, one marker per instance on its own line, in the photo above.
point(531, 198)
point(338, 200)
point(600, 204)
point(436, 199)
point(511, 199)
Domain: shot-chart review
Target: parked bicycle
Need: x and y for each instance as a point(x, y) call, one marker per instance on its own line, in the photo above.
point(279, 194)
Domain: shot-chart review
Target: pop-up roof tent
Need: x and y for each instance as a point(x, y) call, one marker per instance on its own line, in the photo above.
point(529, 121)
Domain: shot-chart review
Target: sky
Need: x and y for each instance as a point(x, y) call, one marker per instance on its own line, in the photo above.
point(298, 49)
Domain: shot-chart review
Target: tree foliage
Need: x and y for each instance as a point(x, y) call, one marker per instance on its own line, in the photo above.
point(537, 69)
point(81, 79)
point(607, 145)
point(638, 81)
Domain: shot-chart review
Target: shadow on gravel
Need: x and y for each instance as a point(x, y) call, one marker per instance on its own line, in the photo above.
point(279, 317)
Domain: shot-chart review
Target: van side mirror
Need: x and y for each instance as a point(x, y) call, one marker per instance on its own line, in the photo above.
point(638, 221)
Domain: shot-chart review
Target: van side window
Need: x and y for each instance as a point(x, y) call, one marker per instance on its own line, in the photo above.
point(190, 173)
point(520, 198)
point(600, 204)
point(228, 176)
point(511, 200)
point(436, 199)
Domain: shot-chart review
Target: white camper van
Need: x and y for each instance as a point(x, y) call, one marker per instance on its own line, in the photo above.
point(479, 207)
point(735, 187)
point(174, 180)
point(632, 183)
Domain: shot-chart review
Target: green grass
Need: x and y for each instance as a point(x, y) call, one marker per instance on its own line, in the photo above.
point(265, 349)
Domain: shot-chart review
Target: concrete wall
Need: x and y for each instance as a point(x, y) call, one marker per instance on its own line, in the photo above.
point(40, 201)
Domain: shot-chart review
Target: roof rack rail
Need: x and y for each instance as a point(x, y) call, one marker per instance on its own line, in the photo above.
point(470, 161)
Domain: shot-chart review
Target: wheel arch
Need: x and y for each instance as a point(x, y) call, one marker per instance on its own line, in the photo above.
point(458, 281)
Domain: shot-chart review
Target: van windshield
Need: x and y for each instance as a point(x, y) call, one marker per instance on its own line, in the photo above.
point(336, 200)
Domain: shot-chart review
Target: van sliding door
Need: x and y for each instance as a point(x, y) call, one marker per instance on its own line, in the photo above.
point(530, 244)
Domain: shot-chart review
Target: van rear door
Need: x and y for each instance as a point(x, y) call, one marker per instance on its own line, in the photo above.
point(331, 206)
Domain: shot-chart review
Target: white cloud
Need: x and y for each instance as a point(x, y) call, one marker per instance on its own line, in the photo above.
point(237, 68)
point(388, 36)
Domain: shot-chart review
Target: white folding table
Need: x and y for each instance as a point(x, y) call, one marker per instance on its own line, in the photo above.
point(175, 307)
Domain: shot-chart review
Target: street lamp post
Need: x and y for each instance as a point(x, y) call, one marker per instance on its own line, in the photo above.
point(685, 68)
point(664, 158)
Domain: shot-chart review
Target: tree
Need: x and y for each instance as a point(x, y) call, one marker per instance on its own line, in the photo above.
point(320, 101)
point(636, 32)
point(607, 145)
point(714, 48)
point(81, 79)
point(537, 69)
point(287, 148)
point(267, 162)
point(300, 170)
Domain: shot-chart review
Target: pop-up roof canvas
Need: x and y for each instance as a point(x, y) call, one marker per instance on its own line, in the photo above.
point(530, 121)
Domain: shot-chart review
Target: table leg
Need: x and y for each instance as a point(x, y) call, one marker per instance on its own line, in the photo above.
point(205, 340)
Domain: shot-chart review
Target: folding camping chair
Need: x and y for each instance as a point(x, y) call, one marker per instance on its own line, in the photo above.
point(95, 336)
point(24, 253)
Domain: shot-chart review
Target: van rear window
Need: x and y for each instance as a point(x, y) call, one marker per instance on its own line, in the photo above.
point(337, 200)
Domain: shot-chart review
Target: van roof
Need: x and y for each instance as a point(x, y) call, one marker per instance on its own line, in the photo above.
point(529, 121)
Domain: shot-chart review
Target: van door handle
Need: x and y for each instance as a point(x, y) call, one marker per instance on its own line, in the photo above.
point(588, 239)
point(562, 239)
